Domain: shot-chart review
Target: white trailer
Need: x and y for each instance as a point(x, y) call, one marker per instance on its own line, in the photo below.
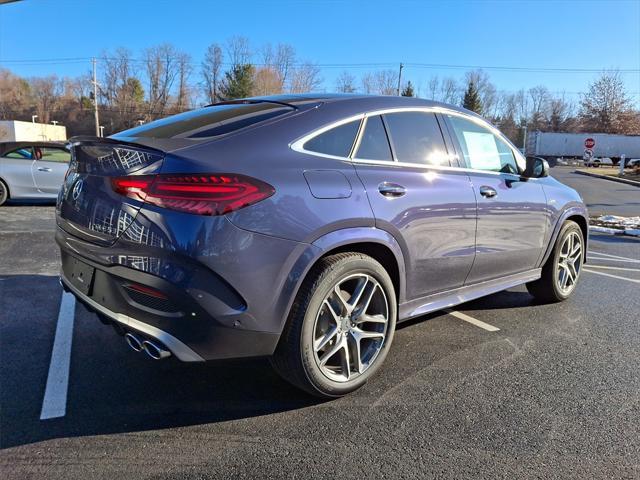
point(17, 131)
point(551, 145)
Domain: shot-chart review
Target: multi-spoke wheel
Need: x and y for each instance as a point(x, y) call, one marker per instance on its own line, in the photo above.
point(569, 262)
point(4, 192)
point(340, 327)
point(561, 271)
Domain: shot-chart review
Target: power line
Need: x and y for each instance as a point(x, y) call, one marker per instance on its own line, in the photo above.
point(443, 66)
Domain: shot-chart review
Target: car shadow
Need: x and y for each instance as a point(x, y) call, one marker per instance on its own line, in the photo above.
point(111, 388)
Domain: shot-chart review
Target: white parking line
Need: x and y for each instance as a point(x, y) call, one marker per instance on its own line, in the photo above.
point(471, 320)
point(604, 267)
point(613, 256)
point(602, 259)
point(612, 276)
point(54, 404)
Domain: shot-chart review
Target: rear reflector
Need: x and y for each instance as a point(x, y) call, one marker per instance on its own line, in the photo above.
point(201, 194)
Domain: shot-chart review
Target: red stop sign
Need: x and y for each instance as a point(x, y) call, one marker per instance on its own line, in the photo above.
point(589, 143)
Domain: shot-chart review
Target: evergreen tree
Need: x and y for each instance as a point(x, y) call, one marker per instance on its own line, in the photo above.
point(238, 82)
point(471, 99)
point(408, 90)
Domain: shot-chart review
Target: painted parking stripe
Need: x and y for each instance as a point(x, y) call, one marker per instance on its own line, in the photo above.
point(612, 276)
point(605, 267)
point(635, 260)
point(54, 404)
point(602, 259)
point(471, 320)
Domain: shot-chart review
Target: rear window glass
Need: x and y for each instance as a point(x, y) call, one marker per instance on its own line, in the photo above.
point(21, 153)
point(417, 138)
point(209, 121)
point(337, 142)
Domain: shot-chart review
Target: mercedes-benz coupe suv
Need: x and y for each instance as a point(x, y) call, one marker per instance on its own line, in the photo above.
point(303, 228)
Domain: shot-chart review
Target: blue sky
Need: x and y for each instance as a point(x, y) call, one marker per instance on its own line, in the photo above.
point(550, 34)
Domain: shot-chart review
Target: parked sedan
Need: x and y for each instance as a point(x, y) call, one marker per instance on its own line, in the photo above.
point(32, 170)
point(304, 228)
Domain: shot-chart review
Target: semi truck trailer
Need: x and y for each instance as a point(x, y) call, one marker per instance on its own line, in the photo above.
point(584, 146)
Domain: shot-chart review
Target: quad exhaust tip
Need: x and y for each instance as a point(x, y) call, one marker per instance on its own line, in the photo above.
point(134, 342)
point(154, 351)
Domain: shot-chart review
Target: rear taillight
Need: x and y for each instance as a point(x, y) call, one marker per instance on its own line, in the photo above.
point(201, 194)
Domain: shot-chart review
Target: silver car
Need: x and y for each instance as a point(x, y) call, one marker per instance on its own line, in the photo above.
point(32, 170)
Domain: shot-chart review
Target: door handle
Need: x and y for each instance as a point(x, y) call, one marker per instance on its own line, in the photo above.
point(44, 169)
point(391, 190)
point(488, 192)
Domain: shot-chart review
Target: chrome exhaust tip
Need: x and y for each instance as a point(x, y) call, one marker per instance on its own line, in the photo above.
point(154, 351)
point(134, 342)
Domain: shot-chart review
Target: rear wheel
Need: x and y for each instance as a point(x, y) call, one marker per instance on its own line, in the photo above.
point(561, 272)
point(340, 327)
point(4, 192)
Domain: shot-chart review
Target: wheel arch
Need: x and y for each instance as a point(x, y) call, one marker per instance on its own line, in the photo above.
point(6, 185)
point(577, 214)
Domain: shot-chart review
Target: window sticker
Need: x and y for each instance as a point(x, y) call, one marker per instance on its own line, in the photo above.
point(483, 151)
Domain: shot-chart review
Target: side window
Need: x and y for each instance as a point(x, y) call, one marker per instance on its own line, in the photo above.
point(416, 138)
point(482, 149)
point(21, 153)
point(337, 142)
point(374, 144)
point(54, 154)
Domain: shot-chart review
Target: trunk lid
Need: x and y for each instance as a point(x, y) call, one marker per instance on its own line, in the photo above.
point(87, 206)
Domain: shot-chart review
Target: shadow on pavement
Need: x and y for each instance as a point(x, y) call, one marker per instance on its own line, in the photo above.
point(111, 388)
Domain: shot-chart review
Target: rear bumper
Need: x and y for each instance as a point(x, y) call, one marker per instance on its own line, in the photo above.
point(179, 349)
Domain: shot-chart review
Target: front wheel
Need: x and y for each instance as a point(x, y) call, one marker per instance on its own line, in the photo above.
point(340, 327)
point(561, 272)
point(4, 193)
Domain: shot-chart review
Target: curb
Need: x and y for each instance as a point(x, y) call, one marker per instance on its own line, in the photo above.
point(614, 231)
point(608, 177)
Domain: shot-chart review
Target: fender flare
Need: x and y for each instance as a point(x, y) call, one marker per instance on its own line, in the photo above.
point(571, 211)
point(331, 241)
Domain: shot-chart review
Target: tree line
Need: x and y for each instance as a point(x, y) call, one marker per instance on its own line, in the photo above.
point(163, 80)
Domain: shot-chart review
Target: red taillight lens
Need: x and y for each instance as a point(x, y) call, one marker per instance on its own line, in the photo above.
point(201, 194)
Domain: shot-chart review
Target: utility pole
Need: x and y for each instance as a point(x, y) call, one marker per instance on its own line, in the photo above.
point(400, 78)
point(95, 97)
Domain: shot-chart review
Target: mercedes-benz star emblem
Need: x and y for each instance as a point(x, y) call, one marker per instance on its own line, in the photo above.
point(77, 189)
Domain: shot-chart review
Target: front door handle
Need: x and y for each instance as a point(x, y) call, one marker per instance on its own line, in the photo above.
point(488, 192)
point(44, 169)
point(391, 190)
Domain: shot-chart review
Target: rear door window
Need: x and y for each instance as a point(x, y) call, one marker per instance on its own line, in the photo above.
point(336, 142)
point(416, 138)
point(374, 144)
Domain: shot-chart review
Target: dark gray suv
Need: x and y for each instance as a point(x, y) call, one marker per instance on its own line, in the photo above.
point(303, 228)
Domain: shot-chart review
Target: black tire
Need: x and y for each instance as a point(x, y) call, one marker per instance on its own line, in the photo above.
point(4, 192)
point(296, 358)
point(547, 288)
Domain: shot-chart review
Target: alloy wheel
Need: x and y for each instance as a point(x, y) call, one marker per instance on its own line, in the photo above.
point(569, 263)
point(351, 327)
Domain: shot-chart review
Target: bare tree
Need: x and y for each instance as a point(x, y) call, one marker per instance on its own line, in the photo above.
point(162, 68)
point(368, 83)
point(345, 83)
point(183, 99)
point(486, 90)
point(559, 115)
point(386, 82)
point(605, 107)
point(540, 98)
point(14, 94)
point(305, 78)
point(212, 72)
point(46, 94)
point(238, 51)
point(432, 87)
point(266, 81)
point(450, 91)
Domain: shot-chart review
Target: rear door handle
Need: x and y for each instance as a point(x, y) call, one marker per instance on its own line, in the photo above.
point(392, 190)
point(488, 192)
point(44, 169)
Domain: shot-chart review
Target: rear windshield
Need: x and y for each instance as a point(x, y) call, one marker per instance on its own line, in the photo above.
point(209, 121)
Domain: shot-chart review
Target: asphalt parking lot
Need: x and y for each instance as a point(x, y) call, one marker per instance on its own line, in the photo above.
point(548, 391)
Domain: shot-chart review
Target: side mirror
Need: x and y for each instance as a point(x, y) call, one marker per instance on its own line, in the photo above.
point(536, 168)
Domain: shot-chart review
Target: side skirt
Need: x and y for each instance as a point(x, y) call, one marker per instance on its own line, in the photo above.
point(450, 298)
